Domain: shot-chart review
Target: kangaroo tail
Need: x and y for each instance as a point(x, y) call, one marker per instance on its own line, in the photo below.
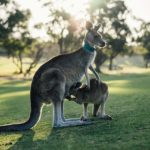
point(36, 108)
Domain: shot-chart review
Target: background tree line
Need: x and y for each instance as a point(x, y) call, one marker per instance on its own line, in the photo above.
point(65, 32)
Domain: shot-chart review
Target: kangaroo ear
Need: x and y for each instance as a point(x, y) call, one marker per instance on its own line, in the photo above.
point(89, 25)
point(97, 27)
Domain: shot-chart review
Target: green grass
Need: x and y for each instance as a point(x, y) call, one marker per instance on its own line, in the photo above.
point(128, 104)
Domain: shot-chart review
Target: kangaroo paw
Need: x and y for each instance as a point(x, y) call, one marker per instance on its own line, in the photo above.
point(84, 118)
point(106, 117)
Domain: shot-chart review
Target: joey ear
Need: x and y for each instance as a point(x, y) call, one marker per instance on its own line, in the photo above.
point(97, 27)
point(89, 25)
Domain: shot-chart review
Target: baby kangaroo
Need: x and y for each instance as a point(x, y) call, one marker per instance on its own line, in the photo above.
point(97, 94)
point(52, 81)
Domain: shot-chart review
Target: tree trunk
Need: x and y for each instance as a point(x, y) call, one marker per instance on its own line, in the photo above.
point(147, 59)
point(21, 63)
point(111, 63)
point(146, 64)
point(17, 60)
point(60, 43)
point(33, 64)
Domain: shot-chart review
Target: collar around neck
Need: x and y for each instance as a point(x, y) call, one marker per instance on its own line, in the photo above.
point(87, 47)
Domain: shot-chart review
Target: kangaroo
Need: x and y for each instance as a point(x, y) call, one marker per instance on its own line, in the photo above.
point(52, 81)
point(97, 94)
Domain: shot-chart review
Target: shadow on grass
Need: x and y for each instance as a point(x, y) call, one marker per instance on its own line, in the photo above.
point(15, 76)
point(130, 113)
point(11, 86)
point(129, 128)
point(116, 77)
point(5, 90)
point(14, 82)
point(70, 138)
point(101, 135)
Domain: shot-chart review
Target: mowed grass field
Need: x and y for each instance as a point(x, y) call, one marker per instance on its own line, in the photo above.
point(128, 104)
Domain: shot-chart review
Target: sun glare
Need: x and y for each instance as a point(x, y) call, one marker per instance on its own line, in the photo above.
point(77, 8)
point(78, 11)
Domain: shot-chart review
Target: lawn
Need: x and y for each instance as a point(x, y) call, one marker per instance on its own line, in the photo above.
point(128, 104)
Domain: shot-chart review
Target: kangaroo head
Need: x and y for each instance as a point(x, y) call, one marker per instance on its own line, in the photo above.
point(93, 37)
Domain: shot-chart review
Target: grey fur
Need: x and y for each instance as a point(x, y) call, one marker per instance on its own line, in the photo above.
point(52, 81)
point(97, 94)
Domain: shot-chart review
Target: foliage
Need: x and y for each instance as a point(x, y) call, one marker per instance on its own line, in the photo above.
point(14, 23)
point(26, 46)
point(35, 54)
point(15, 37)
point(11, 20)
point(62, 29)
point(3, 2)
point(144, 40)
point(17, 47)
point(66, 32)
point(112, 15)
point(100, 58)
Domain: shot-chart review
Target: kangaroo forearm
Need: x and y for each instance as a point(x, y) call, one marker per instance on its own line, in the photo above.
point(95, 73)
point(87, 78)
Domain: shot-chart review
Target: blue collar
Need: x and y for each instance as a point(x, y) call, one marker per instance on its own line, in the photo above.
point(88, 48)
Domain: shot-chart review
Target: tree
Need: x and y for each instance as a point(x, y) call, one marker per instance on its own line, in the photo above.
point(62, 29)
point(35, 54)
point(147, 59)
point(100, 58)
point(16, 48)
point(144, 40)
point(11, 17)
point(112, 15)
point(15, 36)
point(13, 23)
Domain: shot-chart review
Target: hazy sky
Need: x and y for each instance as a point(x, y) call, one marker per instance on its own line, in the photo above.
point(139, 8)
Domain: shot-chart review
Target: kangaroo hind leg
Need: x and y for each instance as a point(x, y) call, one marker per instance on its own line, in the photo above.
point(55, 90)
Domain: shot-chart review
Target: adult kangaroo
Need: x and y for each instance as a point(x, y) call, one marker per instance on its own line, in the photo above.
point(52, 81)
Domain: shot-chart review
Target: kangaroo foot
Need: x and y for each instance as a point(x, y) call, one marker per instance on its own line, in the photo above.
point(71, 123)
point(105, 117)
